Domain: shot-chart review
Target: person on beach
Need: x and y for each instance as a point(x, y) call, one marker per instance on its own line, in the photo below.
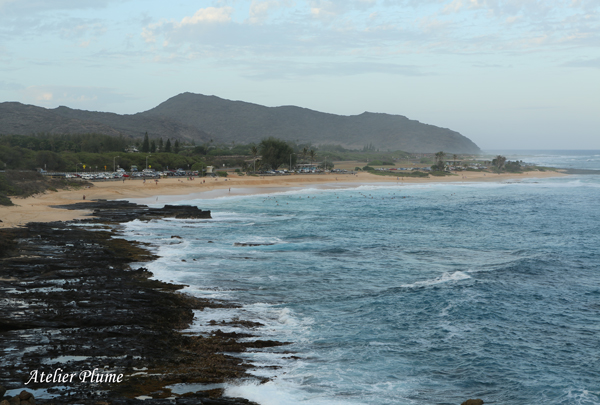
point(84, 196)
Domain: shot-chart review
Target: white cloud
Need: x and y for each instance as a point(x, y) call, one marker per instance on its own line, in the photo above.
point(175, 29)
point(260, 10)
point(208, 15)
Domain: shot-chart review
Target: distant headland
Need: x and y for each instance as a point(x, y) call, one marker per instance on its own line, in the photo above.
point(199, 118)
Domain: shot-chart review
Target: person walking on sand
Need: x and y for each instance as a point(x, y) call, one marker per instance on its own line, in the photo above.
point(84, 196)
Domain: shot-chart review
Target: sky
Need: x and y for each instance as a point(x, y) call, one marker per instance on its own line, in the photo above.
point(519, 74)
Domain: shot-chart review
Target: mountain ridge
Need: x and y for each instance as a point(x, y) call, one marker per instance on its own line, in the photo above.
point(201, 118)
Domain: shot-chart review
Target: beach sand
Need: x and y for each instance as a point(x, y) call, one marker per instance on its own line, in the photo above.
point(39, 207)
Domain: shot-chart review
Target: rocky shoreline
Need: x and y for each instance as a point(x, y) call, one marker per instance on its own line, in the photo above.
point(72, 304)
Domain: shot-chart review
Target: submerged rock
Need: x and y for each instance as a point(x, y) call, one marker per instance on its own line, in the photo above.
point(473, 402)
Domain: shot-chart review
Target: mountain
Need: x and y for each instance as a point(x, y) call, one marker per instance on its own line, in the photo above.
point(21, 119)
point(201, 118)
point(239, 121)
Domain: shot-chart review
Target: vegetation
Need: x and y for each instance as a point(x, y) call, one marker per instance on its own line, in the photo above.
point(440, 162)
point(27, 183)
point(276, 152)
point(499, 162)
point(97, 152)
point(440, 173)
point(513, 167)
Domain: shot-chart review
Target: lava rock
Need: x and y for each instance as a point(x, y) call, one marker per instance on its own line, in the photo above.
point(473, 402)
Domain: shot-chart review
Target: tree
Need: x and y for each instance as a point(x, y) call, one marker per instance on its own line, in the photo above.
point(152, 146)
point(499, 162)
point(327, 165)
point(440, 163)
point(146, 144)
point(160, 145)
point(254, 153)
point(168, 145)
point(276, 152)
point(176, 146)
point(304, 153)
point(312, 154)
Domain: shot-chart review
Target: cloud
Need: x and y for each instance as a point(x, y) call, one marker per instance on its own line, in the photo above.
point(260, 10)
point(208, 15)
point(75, 28)
point(10, 86)
point(584, 63)
point(96, 98)
point(31, 7)
point(292, 69)
point(173, 30)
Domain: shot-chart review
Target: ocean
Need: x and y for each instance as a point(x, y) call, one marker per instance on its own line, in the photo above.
point(404, 294)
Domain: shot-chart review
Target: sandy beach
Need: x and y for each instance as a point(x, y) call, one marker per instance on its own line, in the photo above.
point(39, 207)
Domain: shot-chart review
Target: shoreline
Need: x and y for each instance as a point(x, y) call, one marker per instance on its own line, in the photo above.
point(83, 297)
point(42, 207)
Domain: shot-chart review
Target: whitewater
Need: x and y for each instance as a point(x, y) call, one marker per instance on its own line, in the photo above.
point(394, 294)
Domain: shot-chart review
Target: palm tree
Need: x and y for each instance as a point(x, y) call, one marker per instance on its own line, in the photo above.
point(254, 153)
point(312, 155)
point(304, 153)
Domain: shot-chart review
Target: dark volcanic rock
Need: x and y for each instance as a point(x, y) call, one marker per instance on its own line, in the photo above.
point(123, 211)
point(473, 402)
point(71, 301)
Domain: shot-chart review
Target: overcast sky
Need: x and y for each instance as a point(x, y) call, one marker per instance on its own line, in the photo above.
point(506, 73)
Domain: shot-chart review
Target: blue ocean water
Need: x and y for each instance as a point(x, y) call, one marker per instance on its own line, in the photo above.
point(397, 294)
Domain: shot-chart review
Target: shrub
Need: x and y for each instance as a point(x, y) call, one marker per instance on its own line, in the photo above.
point(222, 173)
point(4, 200)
